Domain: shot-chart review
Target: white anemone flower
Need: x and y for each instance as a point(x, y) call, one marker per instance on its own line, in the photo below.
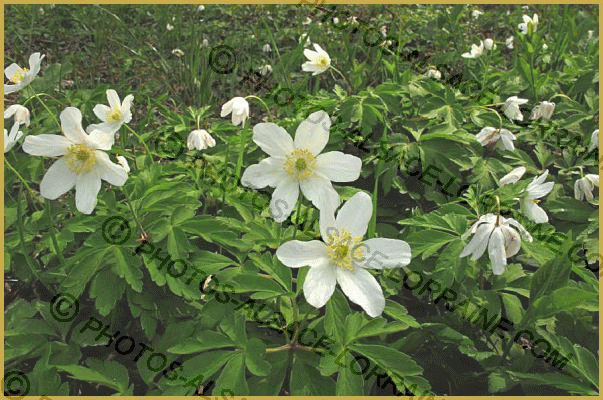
point(239, 107)
point(476, 50)
point(496, 234)
point(476, 13)
point(11, 139)
point(523, 27)
point(509, 42)
point(513, 176)
point(266, 48)
point(265, 69)
point(543, 110)
point(305, 40)
point(201, 8)
point(200, 139)
point(22, 77)
point(344, 257)
point(583, 188)
point(83, 163)
point(490, 135)
point(20, 113)
point(535, 190)
point(433, 73)
point(319, 60)
point(121, 160)
point(489, 44)
point(511, 108)
point(113, 116)
point(296, 164)
point(594, 140)
point(169, 27)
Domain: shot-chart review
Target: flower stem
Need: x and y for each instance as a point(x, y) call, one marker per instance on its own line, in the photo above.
point(21, 229)
point(298, 217)
point(19, 176)
point(141, 141)
point(53, 237)
point(142, 231)
point(244, 142)
point(263, 103)
point(345, 78)
point(37, 96)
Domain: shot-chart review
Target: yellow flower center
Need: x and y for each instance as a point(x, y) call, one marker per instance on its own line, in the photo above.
point(322, 61)
point(342, 249)
point(300, 163)
point(114, 115)
point(81, 158)
point(18, 77)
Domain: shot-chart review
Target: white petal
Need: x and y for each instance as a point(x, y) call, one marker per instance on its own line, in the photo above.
point(101, 111)
point(284, 199)
point(310, 54)
point(512, 240)
point(319, 285)
point(227, 108)
point(313, 132)
point(578, 192)
point(363, 289)
point(320, 192)
point(109, 171)
point(536, 192)
point(496, 251)
point(296, 254)
point(11, 70)
point(126, 108)
point(478, 244)
point(386, 253)
point(272, 139)
point(512, 176)
point(58, 180)
point(113, 99)
point(355, 214)
point(339, 167)
point(46, 145)
point(86, 188)
point(534, 212)
point(516, 224)
point(71, 123)
point(593, 178)
point(269, 172)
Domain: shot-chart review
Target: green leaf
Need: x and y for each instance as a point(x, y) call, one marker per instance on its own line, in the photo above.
point(106, 288)
point(255, 358)
point(206, 340)
point(552, 275)
point(336, 313)
point(232, 379)
point(350, 381)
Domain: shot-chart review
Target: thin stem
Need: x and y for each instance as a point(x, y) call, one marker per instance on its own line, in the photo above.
point(53, 237)
point(19, 176)
point(244, 142)
point(296, 318)
point(144, 233)
point(263, 103)
point(345, 78)
point(298, 217)
point(373, 222)
point(21, 230)
point(37, 96)
point(141, 141)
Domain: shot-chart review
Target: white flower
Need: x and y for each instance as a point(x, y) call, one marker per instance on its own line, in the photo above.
point(512, 176)
point(319, 60)
point(20, 113)
point(543, 110)
point(239, 107)
point(201, 8)
point(305, 39)
point(335, 20)
point(11, 140)
point(113, 116)
point(594, 140)
point(383, 30)
point(121, 160)
point(476, 50)
point(535, 190)
point(511, 108)
point(205, 43)
point(308, 21)
point(177, 52)
point(523, 27)
point(22, 77)
point(590, 34)
point(495, 233)
point(82, 164)
point(343, 257)
point(266, 69)
point(489, 135)
point(509, 42)
point(169, 27)
point(476, 13)
point(489, 44)
point(583, 188)
point(297, 163)
point(545, 46)
point(434, 73)
point(266, 48)
point(200, 139)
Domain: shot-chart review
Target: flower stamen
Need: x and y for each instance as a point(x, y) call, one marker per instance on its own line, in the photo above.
point(343, 249)
point(81, 158)
point(300, 163)
point(18, 76)
point(114, 115)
